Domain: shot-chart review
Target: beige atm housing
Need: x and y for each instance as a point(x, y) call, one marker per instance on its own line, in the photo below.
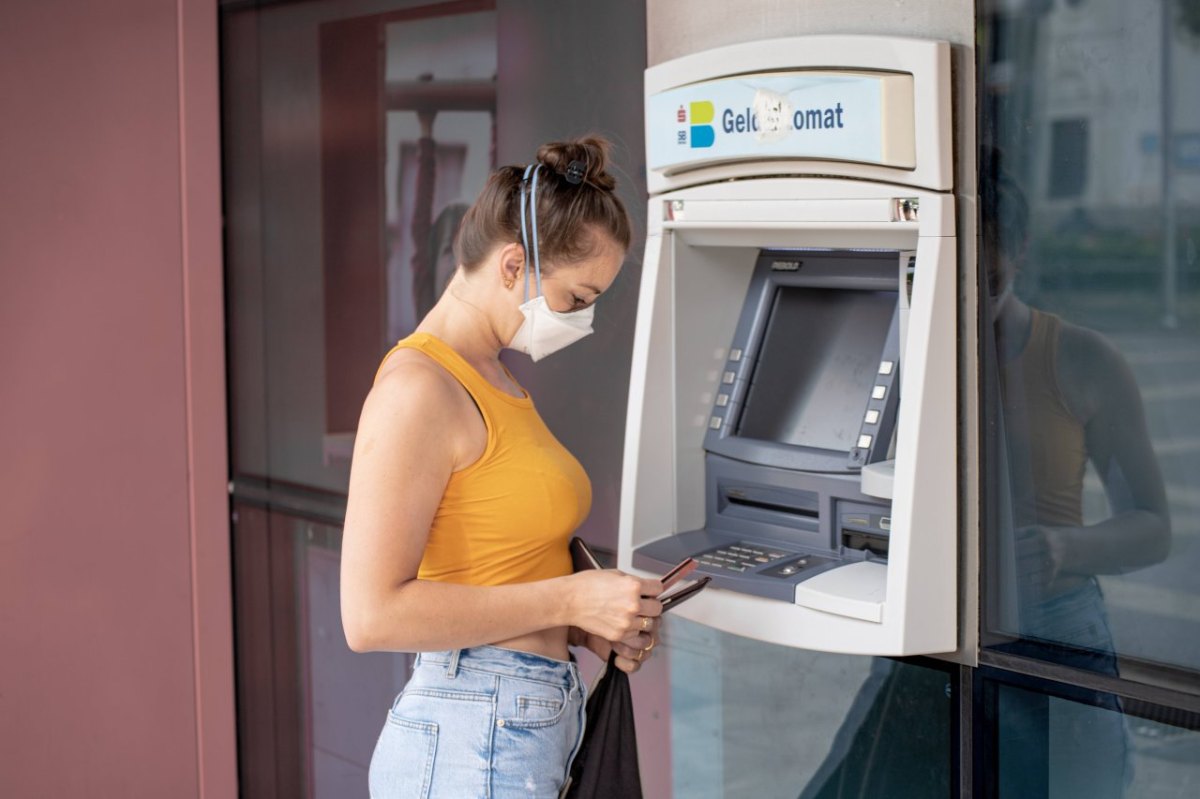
point(709, 220)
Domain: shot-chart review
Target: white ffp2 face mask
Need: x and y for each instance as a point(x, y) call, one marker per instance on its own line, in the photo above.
point(544, 330)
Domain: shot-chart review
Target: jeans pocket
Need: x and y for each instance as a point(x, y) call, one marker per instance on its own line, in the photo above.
point(533, 705)
point(402, 764)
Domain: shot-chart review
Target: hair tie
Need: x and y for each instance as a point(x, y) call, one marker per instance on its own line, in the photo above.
point(576, 170)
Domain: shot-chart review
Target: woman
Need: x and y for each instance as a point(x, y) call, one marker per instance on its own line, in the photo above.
point(462, 502)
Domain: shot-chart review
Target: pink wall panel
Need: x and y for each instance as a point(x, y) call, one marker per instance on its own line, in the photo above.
point(207, 425)
point(113, 540)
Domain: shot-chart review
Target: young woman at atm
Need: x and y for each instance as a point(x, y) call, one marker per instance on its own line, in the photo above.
point(462, 502)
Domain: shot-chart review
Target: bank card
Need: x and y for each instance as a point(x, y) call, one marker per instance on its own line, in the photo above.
point(679, 571)
point(683, 594)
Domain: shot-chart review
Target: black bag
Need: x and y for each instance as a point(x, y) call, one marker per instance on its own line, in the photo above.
point(606, 766)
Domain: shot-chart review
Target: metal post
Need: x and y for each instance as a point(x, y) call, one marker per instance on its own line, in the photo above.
point(1167, 141)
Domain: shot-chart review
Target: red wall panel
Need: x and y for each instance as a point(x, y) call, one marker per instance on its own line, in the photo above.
point(114, 540)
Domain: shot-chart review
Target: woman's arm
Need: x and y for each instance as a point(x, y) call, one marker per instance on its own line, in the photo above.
point(413, 434)
point(420, 615)
point(1103, 392)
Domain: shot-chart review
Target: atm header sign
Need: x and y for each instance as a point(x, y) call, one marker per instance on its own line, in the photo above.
point(846, 116)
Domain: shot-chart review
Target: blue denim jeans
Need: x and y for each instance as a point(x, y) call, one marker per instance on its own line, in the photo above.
point(484, 722)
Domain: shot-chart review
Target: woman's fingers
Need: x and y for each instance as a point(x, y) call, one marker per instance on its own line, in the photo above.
point(640, 640)
point(631, 652)
point(651, 587)
point(635, 651)
point(611, 604)
point(650, 607)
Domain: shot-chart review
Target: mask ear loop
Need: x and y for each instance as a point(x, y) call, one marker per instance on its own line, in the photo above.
point(524, 235)
point(537, 263)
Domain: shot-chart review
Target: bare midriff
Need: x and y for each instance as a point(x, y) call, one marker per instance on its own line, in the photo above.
point(550, 643)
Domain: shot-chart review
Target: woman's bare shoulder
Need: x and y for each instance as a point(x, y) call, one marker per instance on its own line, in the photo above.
point(1092, 371)
point(409, 381)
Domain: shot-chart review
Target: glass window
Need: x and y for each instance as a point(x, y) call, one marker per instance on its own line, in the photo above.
point(1092, 746)
point(1090, 214)
point(1068, 157)
point(753, 719)
point(355, 134)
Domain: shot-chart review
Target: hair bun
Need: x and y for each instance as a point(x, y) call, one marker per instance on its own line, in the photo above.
point(592, 151)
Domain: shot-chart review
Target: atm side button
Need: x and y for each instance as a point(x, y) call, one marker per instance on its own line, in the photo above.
point(722, 400)
point(715, 423)
point(864, 441)
point(728, 378)
point(886, 367)
point(871, 418)
point(879, 392)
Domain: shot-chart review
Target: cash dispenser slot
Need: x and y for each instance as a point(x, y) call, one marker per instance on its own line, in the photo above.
point(864, 529)
point(789, 508)
point(865, 542)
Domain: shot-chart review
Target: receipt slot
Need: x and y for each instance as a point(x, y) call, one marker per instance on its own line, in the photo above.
point(792, 418)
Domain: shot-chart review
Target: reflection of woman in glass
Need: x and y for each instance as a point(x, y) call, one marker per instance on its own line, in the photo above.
point(441, 252)
point(1068, 397)
point(462, 502)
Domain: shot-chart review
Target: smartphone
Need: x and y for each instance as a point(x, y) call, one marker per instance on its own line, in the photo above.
point(582, 557)
point(683, 594)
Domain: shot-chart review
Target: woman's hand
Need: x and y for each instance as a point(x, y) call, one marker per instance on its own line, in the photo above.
point(613, 605)
point(631, 653)
point(1040, 554)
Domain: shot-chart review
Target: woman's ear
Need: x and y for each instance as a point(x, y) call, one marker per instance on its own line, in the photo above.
point(512, 264)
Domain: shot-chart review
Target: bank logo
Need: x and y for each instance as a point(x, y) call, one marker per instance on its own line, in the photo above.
point(698, 117)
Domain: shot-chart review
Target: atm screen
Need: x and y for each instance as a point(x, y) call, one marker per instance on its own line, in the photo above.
point(816, 366)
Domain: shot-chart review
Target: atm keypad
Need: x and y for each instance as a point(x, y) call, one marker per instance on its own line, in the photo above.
point(740, 557)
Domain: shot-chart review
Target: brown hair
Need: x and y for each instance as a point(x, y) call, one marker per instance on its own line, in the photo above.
point(569, 215)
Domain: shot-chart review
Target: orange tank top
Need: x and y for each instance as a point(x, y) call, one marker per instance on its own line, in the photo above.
point(1047, 445)
point(508, 516)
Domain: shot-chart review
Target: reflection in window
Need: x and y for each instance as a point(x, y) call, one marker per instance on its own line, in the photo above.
point(408, 141)
point(1092, 334)
point(441, 100)
point(1068, 157)
point(753, 719)
point(353, 134)
point(1049, 747)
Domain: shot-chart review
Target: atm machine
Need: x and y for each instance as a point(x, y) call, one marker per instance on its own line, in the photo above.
point(792, 419)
